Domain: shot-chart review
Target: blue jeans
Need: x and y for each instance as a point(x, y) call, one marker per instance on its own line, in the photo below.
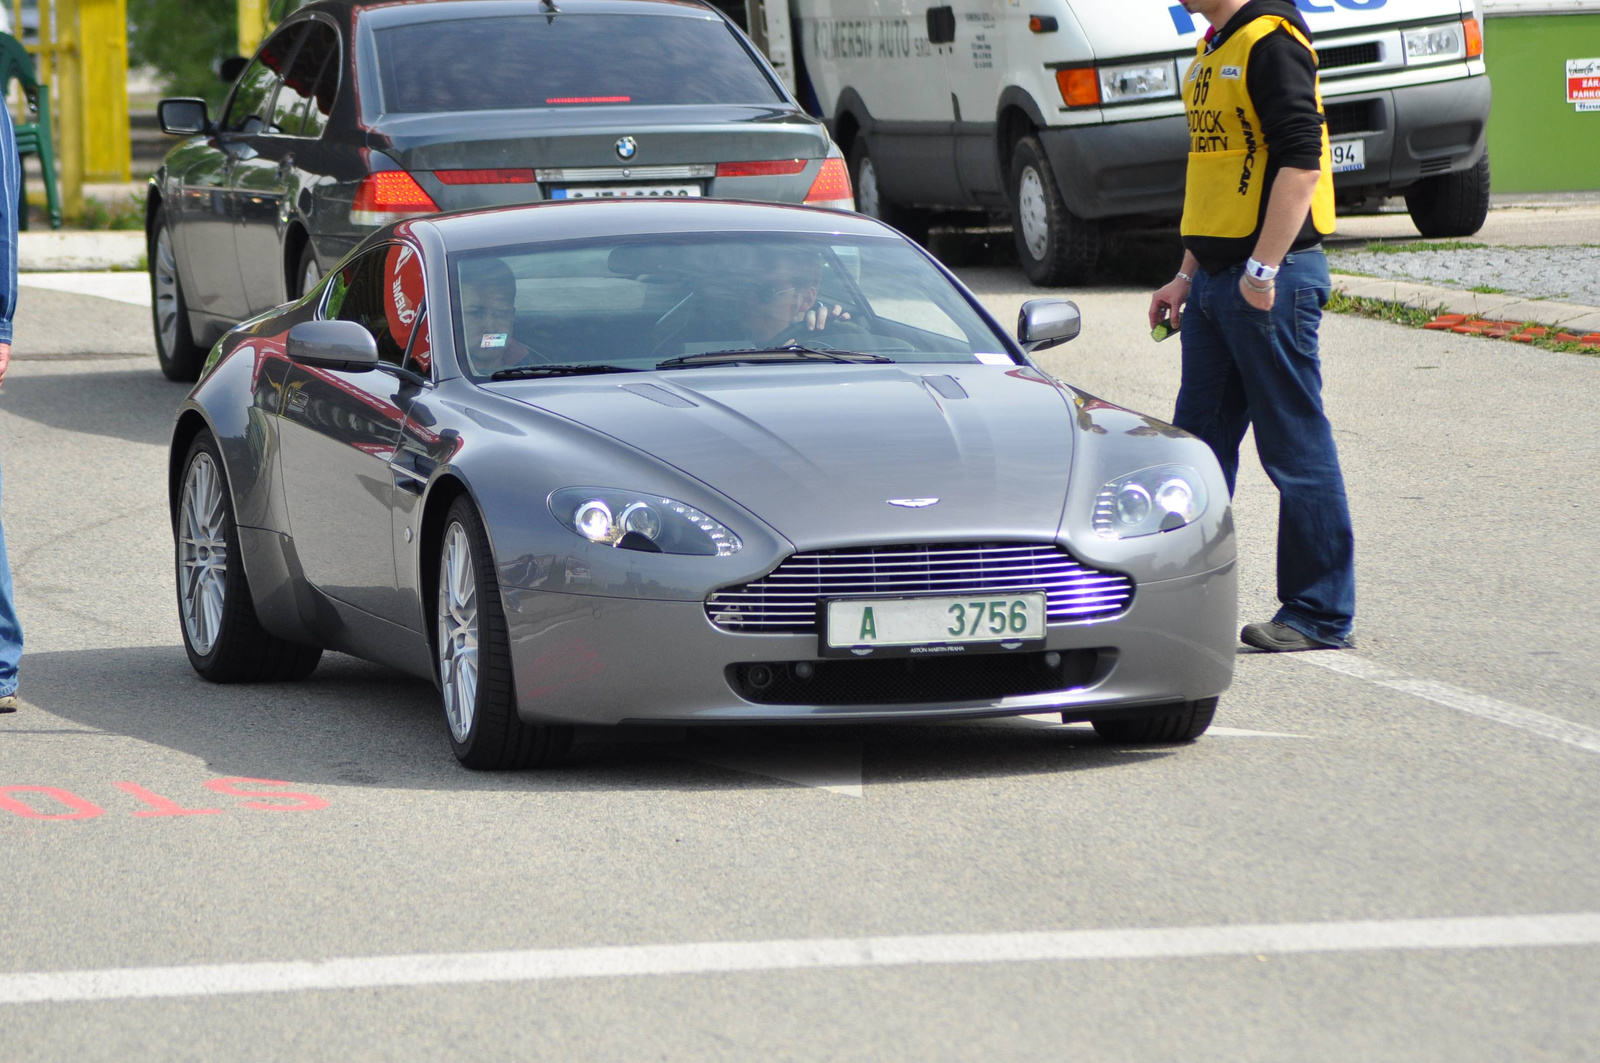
point(1243, 366)
point(10, 627)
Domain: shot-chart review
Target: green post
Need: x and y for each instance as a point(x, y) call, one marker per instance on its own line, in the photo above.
point(1538, 142)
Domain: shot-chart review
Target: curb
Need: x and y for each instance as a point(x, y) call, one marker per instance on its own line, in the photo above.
point(63, 252)
point(1570, 318)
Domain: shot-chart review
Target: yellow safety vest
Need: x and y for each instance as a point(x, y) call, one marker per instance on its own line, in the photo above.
point(1227, 155)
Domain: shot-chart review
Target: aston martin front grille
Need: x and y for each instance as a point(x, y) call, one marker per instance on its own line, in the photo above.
point(786, 600)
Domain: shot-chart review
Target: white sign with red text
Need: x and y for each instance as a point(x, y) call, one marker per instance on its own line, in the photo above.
point(1583, 83)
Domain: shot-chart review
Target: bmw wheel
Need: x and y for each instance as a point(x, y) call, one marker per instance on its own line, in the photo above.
point(1056, 246)
point(474, 656)
point(1185, 725)
point(221, 634)
point(309, 273)
point(180, 356)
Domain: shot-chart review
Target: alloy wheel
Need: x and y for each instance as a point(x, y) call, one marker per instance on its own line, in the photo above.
point(458, 631)
point(1032, 214)
point(165, 269)
point(203, 553)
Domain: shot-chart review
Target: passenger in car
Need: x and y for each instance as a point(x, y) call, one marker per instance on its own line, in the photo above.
point(488, 315)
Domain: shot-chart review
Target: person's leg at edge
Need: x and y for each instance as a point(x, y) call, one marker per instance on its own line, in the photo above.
point(1211, 397)
point(1278, 357)
point(10, 634)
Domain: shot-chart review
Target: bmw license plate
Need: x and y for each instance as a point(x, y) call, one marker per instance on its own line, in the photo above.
point(627, 192)
point(1349, 155)
point(933, 626)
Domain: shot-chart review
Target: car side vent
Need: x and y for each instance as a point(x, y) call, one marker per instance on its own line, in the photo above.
point(658, 394)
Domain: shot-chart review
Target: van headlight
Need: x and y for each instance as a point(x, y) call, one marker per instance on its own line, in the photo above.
point(1149, 501)
point(1435, 44)
point(1146, 81)
point(635, 520)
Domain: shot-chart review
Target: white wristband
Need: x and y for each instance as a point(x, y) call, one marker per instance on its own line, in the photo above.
point(1252, 268)
point(1187, 279)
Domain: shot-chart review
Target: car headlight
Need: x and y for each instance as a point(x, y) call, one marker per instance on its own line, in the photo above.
point(1151, 500)
point(633, 520)
point(1433, 44)
point(1123, 84)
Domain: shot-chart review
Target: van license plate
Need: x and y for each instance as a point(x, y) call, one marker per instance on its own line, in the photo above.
point(627, 192)
point(1349, 155)
point(935, 626)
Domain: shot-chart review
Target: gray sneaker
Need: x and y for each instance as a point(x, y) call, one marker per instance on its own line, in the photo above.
point(9, 703)
point(1281, 638)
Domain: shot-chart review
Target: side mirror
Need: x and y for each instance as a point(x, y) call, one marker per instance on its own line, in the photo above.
point(232, 67)
point(1044, 323)
point(183, 116)
point(333, 345)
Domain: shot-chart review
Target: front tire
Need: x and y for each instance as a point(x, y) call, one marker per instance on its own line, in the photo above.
point(1184, 726)
point(221, 634)
point(181, 358)
point(1452, 204)
point(1056, 247)
point(474, 657)
point(871, 201)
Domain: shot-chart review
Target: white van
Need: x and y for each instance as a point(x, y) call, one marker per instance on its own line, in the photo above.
point(1066, 115)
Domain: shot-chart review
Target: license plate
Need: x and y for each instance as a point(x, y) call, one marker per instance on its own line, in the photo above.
point(1349, 155)
point(627, 192)
point(934, 625)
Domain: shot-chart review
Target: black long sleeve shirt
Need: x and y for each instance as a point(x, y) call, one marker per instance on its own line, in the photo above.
point(1282, 81)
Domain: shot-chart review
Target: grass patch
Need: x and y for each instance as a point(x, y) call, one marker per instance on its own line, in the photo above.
point(1377, 248)
point(1486, 289)
point(1416, 317)
point(117, 217)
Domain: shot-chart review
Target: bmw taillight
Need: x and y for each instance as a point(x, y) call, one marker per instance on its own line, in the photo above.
point(761, 168)
point(389, 195)
point(832, 187)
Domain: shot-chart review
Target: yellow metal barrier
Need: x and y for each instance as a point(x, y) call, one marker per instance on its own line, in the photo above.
point(82, 53)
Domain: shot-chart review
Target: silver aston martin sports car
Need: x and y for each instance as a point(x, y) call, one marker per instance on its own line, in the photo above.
point(691, 462)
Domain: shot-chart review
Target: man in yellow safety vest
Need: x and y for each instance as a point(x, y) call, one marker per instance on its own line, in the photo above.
point(1250, 293)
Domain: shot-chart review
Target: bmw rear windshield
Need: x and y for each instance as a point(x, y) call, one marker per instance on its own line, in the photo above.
point(503, 62)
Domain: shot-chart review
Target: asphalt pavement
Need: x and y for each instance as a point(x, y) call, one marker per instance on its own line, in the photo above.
point(1385, 853)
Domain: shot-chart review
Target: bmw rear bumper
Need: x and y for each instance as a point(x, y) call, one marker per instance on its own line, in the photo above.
point(594, 660)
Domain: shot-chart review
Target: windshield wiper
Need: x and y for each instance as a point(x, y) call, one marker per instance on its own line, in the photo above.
point(794, 352)
point(528, 372)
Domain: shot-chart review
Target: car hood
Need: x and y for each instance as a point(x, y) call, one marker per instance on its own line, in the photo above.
point(818, 451)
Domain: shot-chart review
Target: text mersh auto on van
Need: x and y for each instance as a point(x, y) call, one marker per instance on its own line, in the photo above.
point(1067, 116)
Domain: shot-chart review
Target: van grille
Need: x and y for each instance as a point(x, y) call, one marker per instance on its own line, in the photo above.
point(1348, 55)
point(786, 600)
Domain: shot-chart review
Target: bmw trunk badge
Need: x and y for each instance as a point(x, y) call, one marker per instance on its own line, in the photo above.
point(627, 147)
point(913, 503)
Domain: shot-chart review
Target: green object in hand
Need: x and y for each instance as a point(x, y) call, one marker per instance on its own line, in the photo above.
point(1163, 329)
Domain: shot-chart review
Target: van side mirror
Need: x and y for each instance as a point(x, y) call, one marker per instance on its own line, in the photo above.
point(1044, 323)
point(183, 116)
point(333, 345)
point(232, 67)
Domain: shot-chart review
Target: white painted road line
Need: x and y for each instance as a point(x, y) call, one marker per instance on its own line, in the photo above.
point(1542, 724)
point(1485, 932)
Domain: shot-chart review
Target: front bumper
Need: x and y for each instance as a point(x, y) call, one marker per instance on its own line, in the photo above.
point(1138, 168)
point(593, 660)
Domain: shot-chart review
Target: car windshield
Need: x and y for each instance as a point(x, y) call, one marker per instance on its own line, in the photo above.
point(681, 300)
point(521, 61)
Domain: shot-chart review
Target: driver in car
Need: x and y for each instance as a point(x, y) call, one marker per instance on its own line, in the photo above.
point(488, 313)
point(759, 296)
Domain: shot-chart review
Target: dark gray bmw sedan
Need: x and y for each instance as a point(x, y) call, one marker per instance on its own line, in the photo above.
point(351, 116)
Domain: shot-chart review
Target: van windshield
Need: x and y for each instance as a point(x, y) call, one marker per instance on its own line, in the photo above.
point(684, 299)
point(523, 61)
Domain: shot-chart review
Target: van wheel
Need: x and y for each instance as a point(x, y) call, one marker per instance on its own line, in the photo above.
point(180, 356)
point(870, 199)
point(1056, 246)
point(1183, 726)
point(1452, 204)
